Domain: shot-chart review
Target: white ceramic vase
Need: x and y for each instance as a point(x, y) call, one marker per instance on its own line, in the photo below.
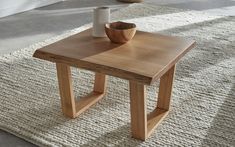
point(101, 16)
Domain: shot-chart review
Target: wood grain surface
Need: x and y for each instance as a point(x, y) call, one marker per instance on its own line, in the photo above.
point(144, 59)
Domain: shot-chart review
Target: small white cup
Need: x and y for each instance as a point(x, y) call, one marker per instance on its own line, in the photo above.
point(101, 16)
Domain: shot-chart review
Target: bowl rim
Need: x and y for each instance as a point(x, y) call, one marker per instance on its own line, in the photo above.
point(107, 25)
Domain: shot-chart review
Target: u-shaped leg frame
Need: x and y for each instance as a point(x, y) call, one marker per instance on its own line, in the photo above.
point(70, 107)
point(142, 125)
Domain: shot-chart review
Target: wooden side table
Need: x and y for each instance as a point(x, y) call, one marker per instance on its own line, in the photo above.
point(142, 61)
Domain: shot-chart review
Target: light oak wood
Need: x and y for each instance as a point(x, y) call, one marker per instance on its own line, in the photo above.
point(100, 83)
point(165, 89)
point(138, 110)
point(144, 59)
point(154, 119)
point(70, 107)
point(66, 89)
point(120, 32)
point(143, 125)
point(86, 102)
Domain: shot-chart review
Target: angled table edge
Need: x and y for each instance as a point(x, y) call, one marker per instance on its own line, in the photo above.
point(173, 62)
point(108, 70)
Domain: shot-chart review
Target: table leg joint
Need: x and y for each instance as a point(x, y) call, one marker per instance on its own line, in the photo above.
point(154, 118)
point(70, 107)
point(143, 124)
point(86, 102)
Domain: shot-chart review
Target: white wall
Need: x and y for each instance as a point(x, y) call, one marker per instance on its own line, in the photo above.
point(9, 7)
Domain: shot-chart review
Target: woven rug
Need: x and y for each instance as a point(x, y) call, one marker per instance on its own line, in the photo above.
point(203, 101)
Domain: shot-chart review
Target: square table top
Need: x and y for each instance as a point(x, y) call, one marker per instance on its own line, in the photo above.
point(144, 59)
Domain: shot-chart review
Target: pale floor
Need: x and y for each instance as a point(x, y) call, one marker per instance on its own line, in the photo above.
point(21, 30)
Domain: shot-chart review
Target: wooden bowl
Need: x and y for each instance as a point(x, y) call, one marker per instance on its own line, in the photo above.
point(120, 32)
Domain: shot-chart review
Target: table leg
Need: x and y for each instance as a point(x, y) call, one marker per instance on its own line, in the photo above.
point(138, 110)
point(66, 89)
point(165, 89)
point(70, 107)
point(100, 83)
point(142, 125)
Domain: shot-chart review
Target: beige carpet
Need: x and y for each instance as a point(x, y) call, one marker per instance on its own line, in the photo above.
point(203, 101)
